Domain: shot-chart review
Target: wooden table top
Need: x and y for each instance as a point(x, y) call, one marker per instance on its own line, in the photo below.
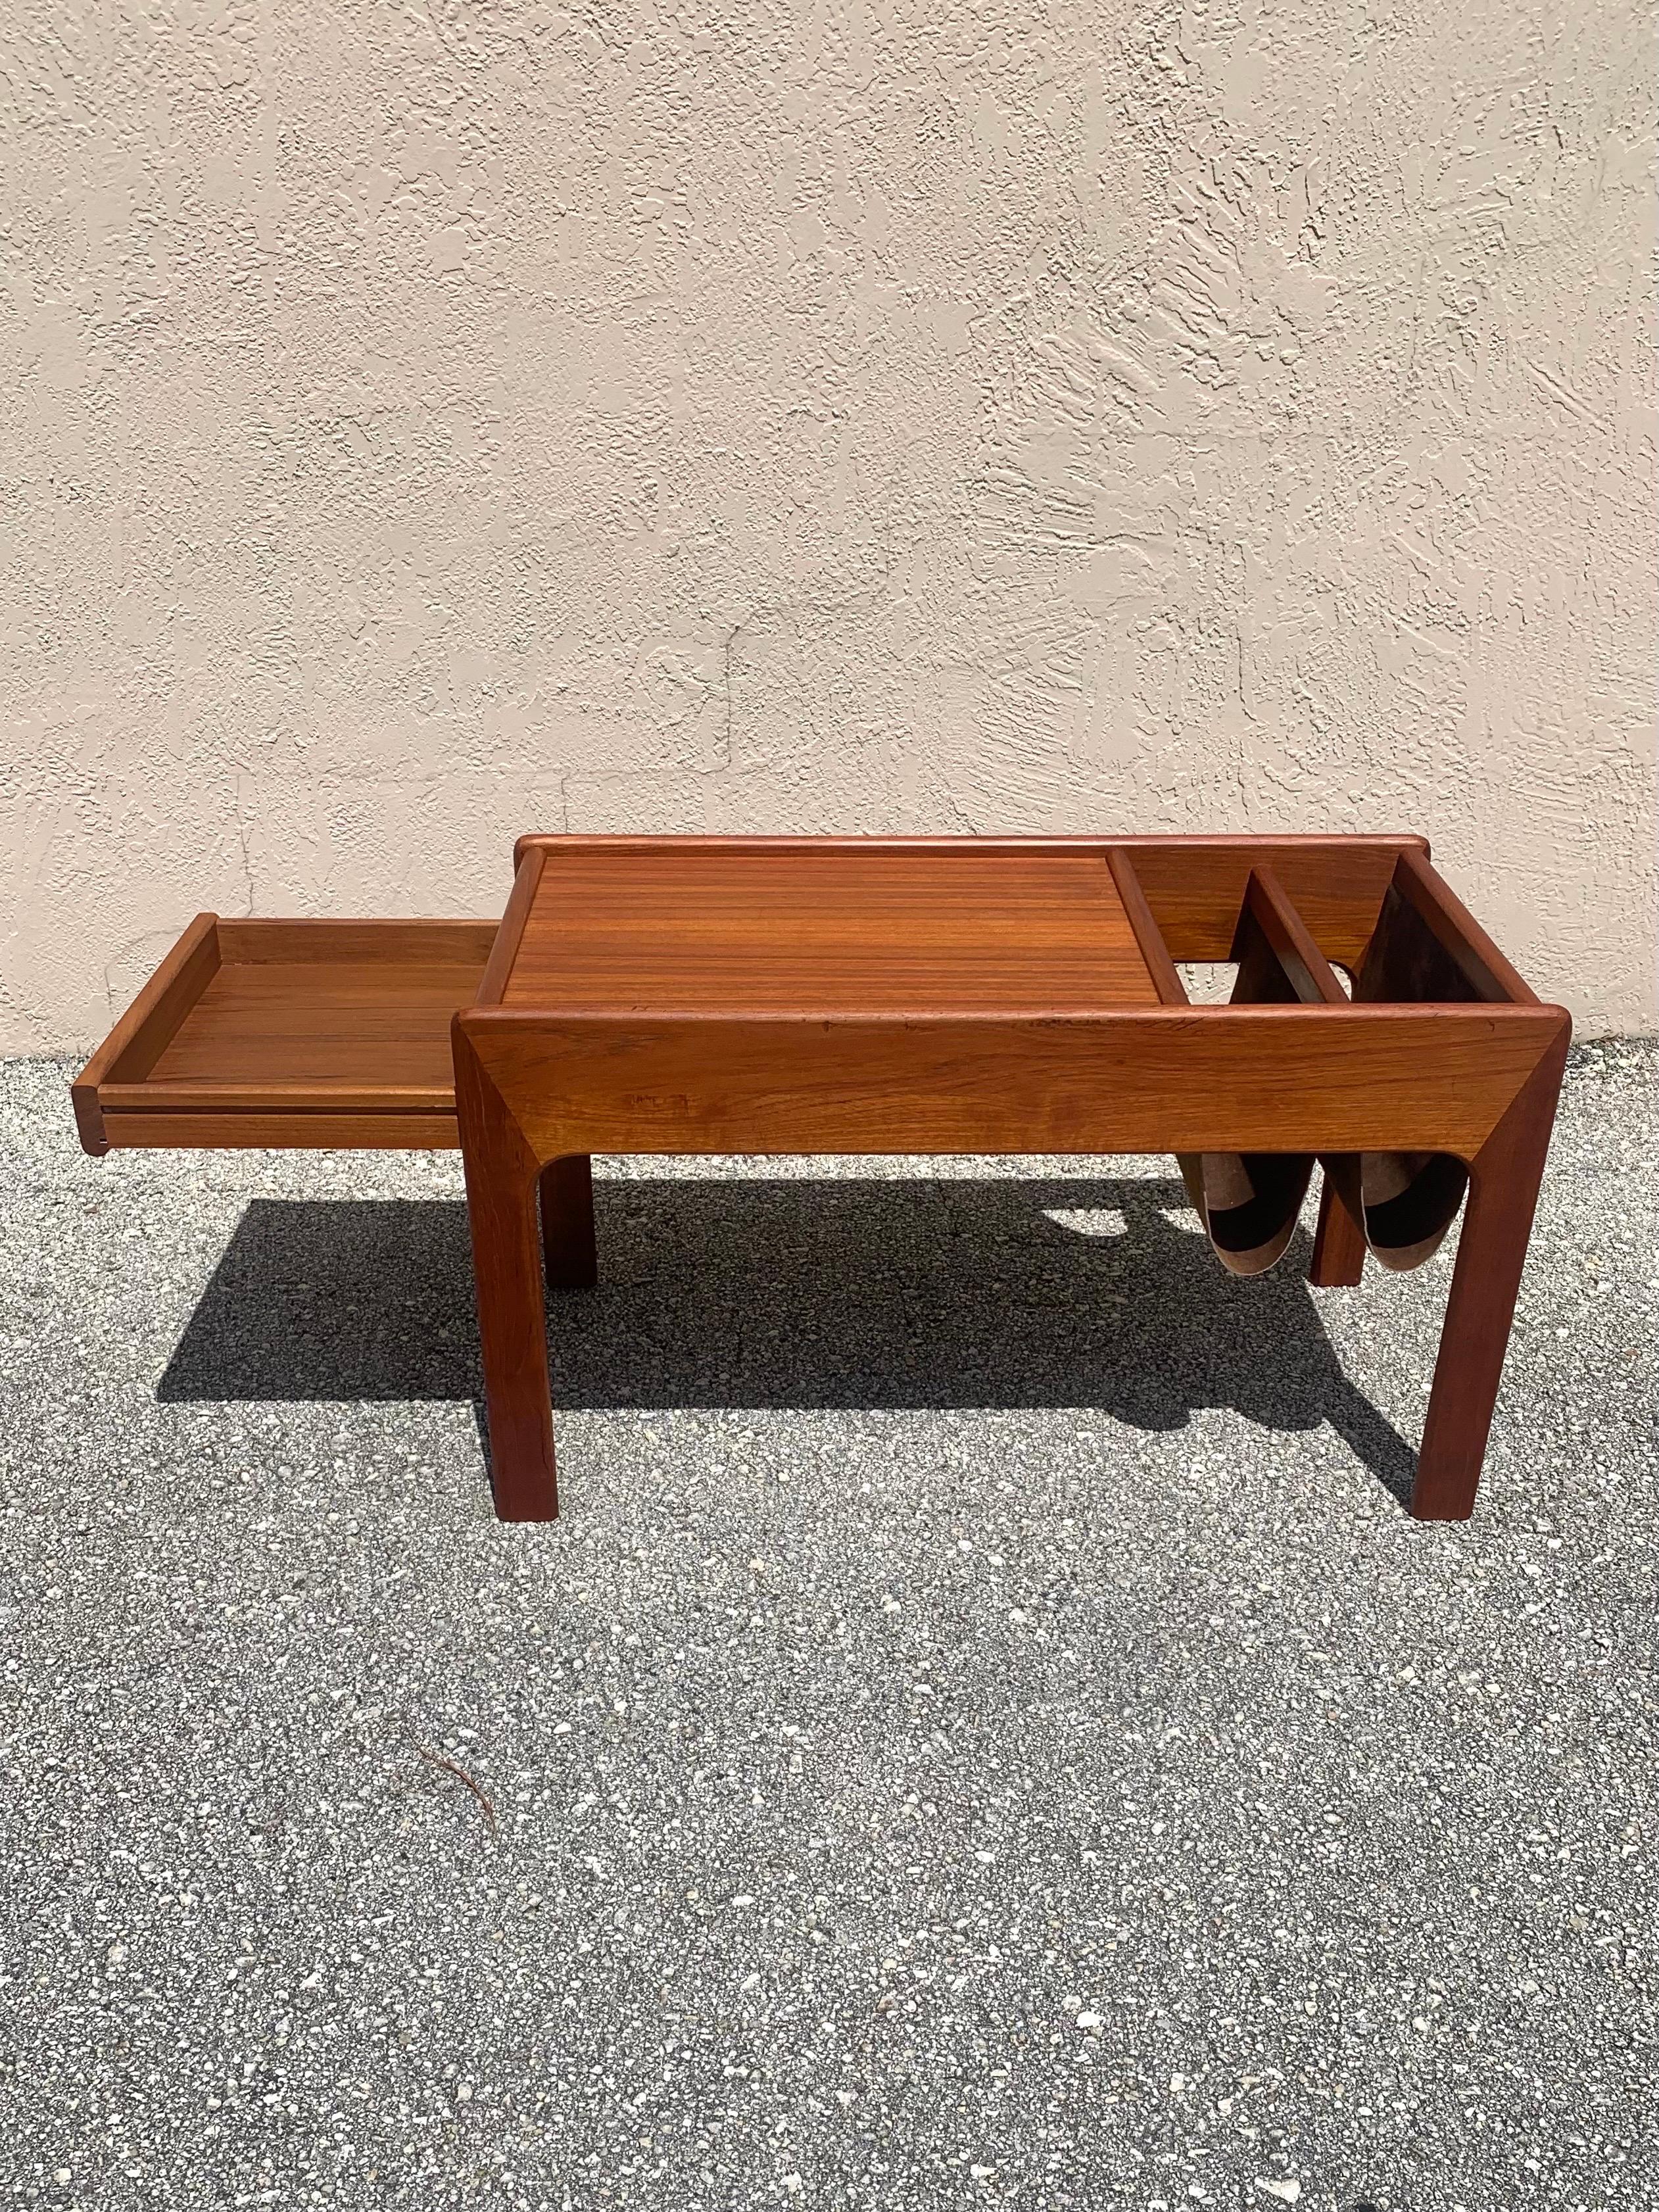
point(735, 928)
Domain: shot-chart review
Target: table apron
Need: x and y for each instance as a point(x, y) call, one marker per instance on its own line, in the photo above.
point(1236, 1079)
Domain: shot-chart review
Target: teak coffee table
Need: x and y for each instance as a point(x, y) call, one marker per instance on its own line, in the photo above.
point(689, 994)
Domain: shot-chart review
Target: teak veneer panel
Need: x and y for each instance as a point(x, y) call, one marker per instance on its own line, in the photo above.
point(1194, 885)
point(193, 1128)
point(366, 1023)
point(687, 927)
point(1233, 1078)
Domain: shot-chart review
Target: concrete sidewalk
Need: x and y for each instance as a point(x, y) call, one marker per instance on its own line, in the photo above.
point(984, 1731)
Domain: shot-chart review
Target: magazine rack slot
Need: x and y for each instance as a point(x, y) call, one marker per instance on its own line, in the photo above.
point(1249, 1202)
point(1426, 949)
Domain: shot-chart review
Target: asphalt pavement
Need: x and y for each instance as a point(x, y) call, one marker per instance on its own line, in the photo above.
point(984, 1730)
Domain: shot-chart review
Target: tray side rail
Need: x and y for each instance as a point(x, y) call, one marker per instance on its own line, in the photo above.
point(141, 1035)
point(529, 859)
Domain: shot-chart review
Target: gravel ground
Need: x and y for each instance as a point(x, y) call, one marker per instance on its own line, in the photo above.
point(984, 1731)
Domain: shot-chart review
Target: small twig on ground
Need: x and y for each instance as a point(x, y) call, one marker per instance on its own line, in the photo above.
point(460, 1774)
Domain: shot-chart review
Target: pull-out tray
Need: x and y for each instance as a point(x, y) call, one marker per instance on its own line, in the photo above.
point(300, 1033)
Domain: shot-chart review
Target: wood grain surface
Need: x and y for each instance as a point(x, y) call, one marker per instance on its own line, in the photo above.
point(193, 1128)
point(825, 929)
point(263, 1025)
point(1215, 1078)
point(1194, 885)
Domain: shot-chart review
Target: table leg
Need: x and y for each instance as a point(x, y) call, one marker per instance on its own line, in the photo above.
point(569, 1250)
point(1339, 1252)
point(502, 1174)
point(1492, 1247)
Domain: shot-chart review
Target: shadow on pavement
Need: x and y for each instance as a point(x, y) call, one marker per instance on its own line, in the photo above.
point(1093, 1293)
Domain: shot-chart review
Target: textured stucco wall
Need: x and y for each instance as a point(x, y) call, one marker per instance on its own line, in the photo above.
point(424, 424)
